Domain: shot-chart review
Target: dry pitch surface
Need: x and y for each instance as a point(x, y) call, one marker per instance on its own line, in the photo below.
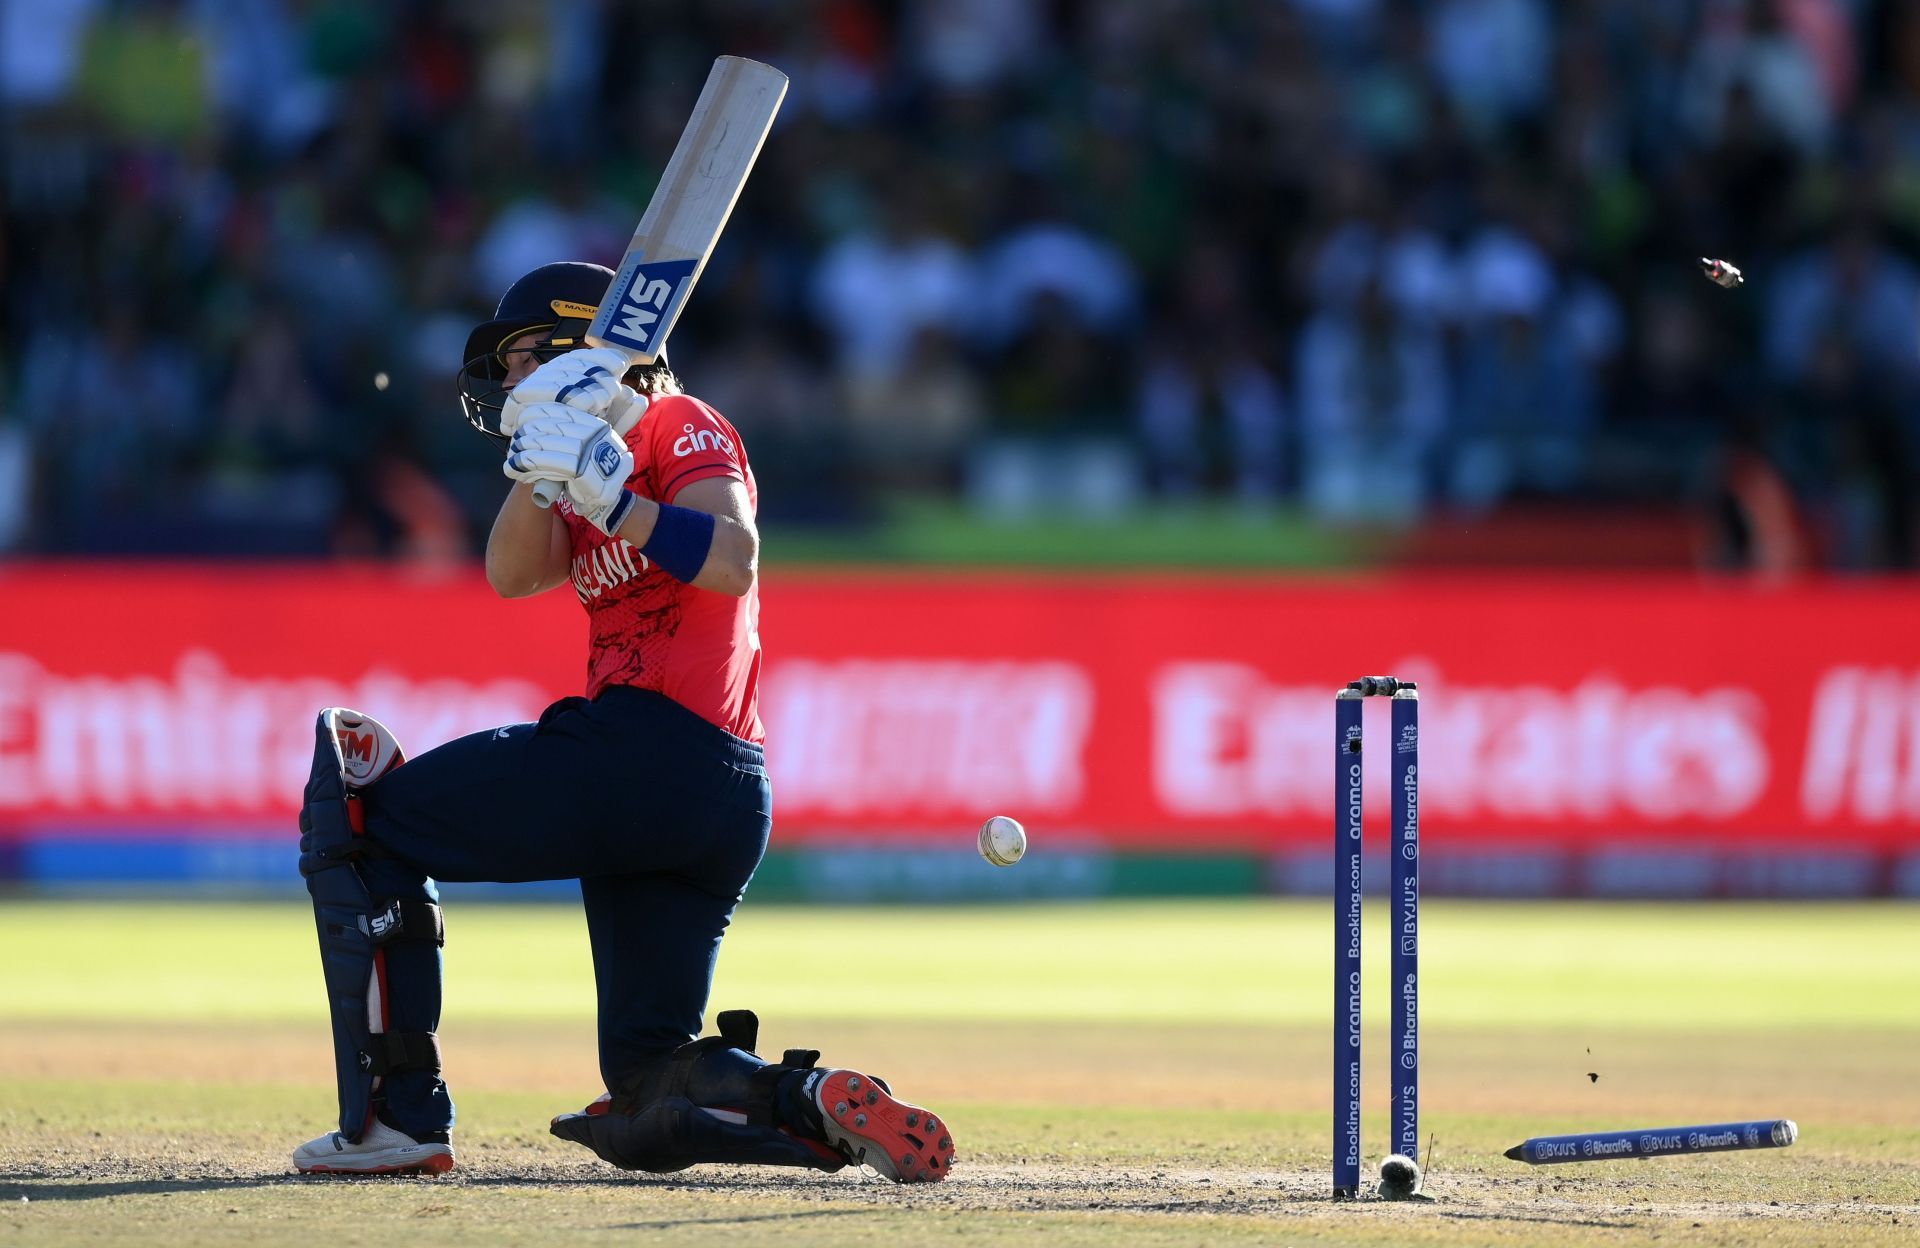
point(1114, 1074)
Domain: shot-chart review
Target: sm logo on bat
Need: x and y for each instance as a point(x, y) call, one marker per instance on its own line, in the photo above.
point(645, 299)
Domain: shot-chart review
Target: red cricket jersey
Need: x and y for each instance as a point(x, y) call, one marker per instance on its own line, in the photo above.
point(700, 648)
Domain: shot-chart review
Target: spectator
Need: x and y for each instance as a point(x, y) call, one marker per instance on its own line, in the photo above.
point(1749, 46)
point(1044, 257)
point(877, 288)
point(910, 429)
point(1373, 404)
point(40, 50)
point(1526, 396)
point(1855, 287)
point(74, 391)
point(1494, 57)
point(1209, 406)
point(16, 479)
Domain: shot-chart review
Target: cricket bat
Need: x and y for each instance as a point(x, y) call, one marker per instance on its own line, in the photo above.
point(683, 221)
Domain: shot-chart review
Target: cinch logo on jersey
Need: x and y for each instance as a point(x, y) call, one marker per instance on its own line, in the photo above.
point(692, 440)
point(643, 297)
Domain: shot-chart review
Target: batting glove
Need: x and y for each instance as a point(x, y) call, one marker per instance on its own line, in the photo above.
point(557, 443)
point(546, 442)
point(587, 380)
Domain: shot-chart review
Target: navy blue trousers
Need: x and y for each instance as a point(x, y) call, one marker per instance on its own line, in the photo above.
point(661, 816)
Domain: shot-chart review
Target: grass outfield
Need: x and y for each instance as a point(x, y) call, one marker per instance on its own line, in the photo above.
point(1142, 1073)
point(921, 533)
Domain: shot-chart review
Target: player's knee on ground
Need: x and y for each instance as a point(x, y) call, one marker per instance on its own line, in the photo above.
point(711, 1100)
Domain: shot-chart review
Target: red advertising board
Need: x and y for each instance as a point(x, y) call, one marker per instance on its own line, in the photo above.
point(1155, 712)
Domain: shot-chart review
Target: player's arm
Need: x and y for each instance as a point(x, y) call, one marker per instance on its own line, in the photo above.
point(528, 551)
point(733, 554)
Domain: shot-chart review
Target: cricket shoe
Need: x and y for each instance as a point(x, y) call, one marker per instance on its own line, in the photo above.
point(382, 1150)
point(578, 1127)
point(861, 1119)
point(603, 1104)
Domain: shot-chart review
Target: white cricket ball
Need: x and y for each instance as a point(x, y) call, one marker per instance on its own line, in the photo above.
point(1002, 841)
point(379, 381)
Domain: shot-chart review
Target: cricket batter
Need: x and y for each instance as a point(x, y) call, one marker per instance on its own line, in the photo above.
point(651, 790)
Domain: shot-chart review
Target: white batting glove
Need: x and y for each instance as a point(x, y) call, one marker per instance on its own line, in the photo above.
point(546, 442)
point(602, 499)
point(557, 443)
point(587, 380)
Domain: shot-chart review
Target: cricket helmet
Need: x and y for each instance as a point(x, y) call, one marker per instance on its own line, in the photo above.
point(561, 298)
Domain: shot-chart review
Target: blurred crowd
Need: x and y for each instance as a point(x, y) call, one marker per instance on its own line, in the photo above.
point(1381, 261)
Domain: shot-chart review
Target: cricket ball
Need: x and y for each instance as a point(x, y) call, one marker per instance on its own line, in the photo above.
point(1002, 841)
point(1399, 1177)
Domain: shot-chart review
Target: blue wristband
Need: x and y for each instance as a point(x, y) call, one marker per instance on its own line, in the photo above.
point(680, 541)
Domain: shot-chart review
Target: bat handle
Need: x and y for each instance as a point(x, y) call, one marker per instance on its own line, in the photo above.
point(545, 492)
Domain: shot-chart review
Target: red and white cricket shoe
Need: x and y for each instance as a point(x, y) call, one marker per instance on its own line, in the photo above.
point(603, 1104)
point(575, 1127)
point(382, 1150)
point(869, 1127)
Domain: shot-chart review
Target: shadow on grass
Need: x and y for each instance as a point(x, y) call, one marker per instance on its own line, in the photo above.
point(668, 1224)
point(1464, 1216)
point(44, 1187)
point(36, 1188)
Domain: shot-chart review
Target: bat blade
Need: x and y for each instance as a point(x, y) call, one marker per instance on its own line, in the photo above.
point(690, 207)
